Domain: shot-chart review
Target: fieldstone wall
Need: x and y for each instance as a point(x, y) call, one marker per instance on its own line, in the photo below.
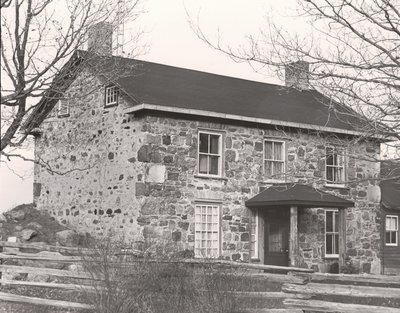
point(136, 175)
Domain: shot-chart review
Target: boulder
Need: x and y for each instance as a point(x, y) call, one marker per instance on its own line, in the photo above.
point(27, 234)
point(15, 215)
point(67, 237)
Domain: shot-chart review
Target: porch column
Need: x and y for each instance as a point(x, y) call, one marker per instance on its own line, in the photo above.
point(342, 238)
point(294, 237)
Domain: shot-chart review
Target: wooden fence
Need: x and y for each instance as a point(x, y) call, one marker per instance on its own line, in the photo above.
point(293, 289)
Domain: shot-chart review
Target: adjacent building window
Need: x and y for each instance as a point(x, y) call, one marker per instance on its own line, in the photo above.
point(331, 233)
point(63, 108)
point(334, 166)
point(210, 153)
point(254, 234)
point(207, 230)
point(392, 230)
point(274, 159)
point(111, 96)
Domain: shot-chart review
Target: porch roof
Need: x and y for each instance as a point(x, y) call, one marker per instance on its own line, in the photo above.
point(298, 195)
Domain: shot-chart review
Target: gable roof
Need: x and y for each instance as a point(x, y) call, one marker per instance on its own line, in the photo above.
point(302, 196)
point(168, 88)
point(390, 185)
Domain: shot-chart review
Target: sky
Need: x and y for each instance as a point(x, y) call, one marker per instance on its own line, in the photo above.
point(170, 40)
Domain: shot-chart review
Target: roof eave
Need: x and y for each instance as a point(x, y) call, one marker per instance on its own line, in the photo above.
point(302, 203)
point(170, 109)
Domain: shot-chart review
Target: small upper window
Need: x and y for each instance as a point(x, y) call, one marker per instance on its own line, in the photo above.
point(63, 108)
point(111, 96)
point(274, 160)
point(334, 166)
point(210, 153)
point(391, 230)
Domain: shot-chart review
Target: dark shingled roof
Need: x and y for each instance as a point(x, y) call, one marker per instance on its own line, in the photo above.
point(298, 195)
point(189, 89)
point(390, 185)
point(169, 86)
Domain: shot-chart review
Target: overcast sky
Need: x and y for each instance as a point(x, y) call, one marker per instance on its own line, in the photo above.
point(171, 41)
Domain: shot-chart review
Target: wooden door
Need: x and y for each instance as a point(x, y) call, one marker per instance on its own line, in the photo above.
point(276, 240)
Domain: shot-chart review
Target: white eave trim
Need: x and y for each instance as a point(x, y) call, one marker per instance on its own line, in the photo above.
point(162, 108)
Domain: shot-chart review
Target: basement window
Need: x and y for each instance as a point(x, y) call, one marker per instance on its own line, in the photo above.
point(63, 108)
point(391, 230)
point(111, 96)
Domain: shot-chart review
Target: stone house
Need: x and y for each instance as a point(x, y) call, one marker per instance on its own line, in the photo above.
point(390, 201)
point(220, 166)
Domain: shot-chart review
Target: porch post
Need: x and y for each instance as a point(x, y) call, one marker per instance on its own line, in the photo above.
point(294, 235)
point(342, 238)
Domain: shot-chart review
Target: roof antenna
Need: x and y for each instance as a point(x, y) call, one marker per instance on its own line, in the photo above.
point(120, 27)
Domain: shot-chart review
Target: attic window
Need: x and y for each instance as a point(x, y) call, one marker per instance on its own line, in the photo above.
point(63, 108)
point(111, 96)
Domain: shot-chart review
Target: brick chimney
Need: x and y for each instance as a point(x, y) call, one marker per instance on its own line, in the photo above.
point(297, 75)
point(100, 38)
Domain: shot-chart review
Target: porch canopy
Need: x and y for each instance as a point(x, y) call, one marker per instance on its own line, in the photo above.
point(293, 194)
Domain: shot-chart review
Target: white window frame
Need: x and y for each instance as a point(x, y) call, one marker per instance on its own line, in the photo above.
point(219, 154)
point(203, 227)
point(339, 152)
point(111, 95)
point(254, 253)
point(272, 160)
point(395, 230)
point(63, 108)
point(333, 232)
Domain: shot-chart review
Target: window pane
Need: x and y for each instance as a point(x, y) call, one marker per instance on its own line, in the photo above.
point(329, 156)
point(278, 170)
point(278, 151)
point(336, 248)
point(214, 165)
point(203, 145)
point(336, 214)
point(203, 164)
point(214, 143)
point(330, 174)
point(268, 150)
point(329, 221)
point(329, 244)
point(388, 237)
point(268, 168)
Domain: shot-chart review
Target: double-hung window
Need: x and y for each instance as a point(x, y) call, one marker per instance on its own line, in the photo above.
point(111, 96)
point(274, 160)
point(392, 230)
point(210, 153)
point(331, 233)
point(207, 230)
point(254, 235)
point(335, 166)
point(63, 108)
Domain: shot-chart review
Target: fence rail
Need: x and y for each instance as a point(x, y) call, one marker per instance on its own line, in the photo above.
point(301, 289)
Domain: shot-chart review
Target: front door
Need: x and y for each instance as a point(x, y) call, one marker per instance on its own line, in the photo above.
point(276, 237)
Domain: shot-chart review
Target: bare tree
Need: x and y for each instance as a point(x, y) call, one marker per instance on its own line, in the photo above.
point(38, 38)
point(354, 56)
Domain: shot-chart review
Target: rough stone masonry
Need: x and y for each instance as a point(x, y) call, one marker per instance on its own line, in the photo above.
point(137, 176)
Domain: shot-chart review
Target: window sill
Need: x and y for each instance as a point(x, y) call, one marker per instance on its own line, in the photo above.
point(336, 186)
point(211, 177)
point(391, 245)
point(110, 105)
point(273, 181)
point(332, 257)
